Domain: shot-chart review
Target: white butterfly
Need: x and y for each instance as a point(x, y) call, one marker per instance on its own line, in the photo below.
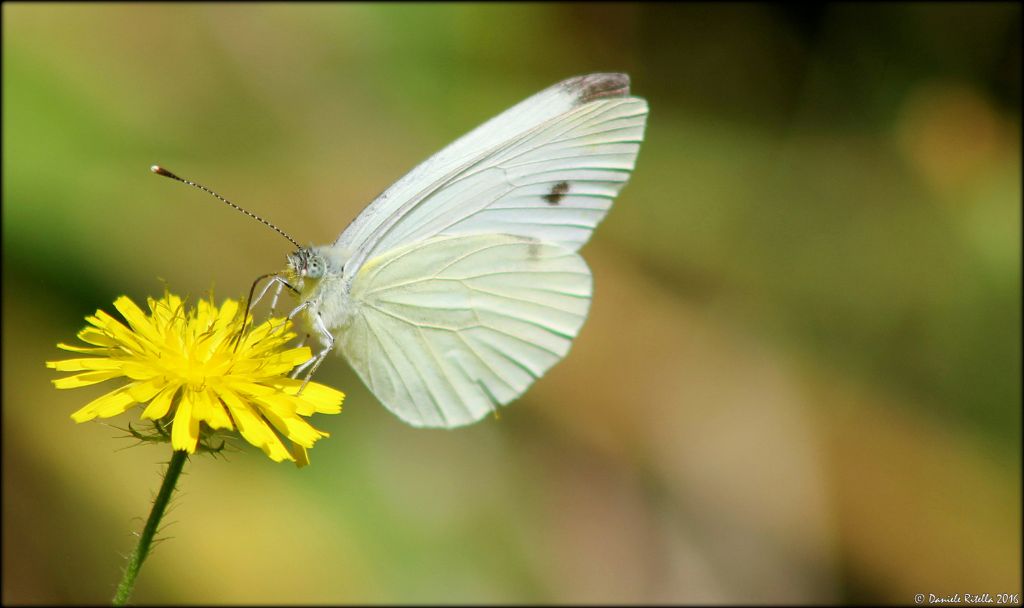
point(461, 285)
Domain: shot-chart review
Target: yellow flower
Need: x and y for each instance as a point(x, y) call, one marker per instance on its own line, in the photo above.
point(185, 365)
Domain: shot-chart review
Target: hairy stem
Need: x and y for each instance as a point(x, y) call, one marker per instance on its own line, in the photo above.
point(131, 571)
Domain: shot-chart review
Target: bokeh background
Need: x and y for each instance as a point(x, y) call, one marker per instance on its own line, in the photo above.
point(800, 380)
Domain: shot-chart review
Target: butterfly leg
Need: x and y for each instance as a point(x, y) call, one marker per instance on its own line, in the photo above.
point(251, 302)
point(277, 293)
point(279, 284)
point(262, 293)
point(327, 340)
point(291, 316)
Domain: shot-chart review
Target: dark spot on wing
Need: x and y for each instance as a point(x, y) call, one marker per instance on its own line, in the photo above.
point(598, 86)
point(557, 192)
point(533, 251)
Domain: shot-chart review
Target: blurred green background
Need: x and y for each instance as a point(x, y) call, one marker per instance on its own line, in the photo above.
point(800, 380)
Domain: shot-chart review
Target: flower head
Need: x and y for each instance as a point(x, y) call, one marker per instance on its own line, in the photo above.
point(194, 370)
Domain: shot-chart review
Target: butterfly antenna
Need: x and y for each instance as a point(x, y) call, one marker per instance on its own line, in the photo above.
point(161, 171)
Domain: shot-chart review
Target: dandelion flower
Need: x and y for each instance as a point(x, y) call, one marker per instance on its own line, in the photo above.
point(192, 370)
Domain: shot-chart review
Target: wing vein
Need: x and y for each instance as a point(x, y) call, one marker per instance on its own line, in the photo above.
point(486, 363)
point(482, 324)
point(444, 371)
point(535, 303)
point(427, 387)
point(463, 280)
point(394, 368)
point(582, 116)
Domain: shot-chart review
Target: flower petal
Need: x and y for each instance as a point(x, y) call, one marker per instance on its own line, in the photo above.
point(160, 404)
point(210, 410)
point(253, 428)
point(276, 365)
point(86, 379)
point(252, 389)
point(141, 370)
point(166, 309)
point(296, 429)
point(77, 365)
point(185, 430)
point(88, 350)
point(144, 391)
point(139, 322)
point(300, 454)
point(111, 327)
point(96, 337)
point(315, 397)
point(111, 404)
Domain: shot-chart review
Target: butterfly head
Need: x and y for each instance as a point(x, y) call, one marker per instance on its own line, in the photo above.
point(306, 263)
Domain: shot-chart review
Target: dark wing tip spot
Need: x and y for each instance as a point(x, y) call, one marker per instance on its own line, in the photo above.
point(598, 86)
point(558, 191)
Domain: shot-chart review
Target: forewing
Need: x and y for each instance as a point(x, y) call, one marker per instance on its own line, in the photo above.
point(448, 329)
point(547, 168)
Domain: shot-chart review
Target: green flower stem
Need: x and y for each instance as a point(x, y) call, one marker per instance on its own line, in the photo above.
point(127, 584)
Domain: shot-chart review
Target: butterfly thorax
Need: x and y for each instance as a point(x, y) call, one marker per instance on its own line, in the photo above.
point(318, 277)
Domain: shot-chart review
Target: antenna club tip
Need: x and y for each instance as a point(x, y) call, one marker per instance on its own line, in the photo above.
point(161, 171)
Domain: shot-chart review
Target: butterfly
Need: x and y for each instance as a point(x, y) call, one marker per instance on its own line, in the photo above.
point(461, 284)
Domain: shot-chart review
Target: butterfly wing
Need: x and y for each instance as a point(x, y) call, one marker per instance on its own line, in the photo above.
point(449, 328)
point(463, 276)
point(547, 168)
